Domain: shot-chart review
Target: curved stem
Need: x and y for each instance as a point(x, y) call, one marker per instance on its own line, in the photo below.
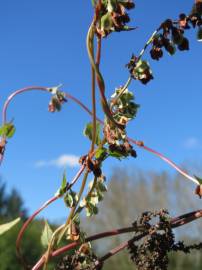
point(5, 108)
point(20, 91)
point(93, 111)
point(167, 160)
point(26, 224)
point(100, 80)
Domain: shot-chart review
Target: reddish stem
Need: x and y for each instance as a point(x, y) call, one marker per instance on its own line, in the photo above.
point(20, 91)
point(170, 162)
point(26, 224)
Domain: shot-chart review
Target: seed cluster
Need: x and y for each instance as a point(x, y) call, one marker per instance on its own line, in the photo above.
point(152, 252)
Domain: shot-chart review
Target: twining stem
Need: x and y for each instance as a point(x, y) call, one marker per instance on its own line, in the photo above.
point(100, 80)
point(175, 222)
point(93, 105)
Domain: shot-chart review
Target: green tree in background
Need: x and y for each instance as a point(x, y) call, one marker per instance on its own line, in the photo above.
point(12, 206)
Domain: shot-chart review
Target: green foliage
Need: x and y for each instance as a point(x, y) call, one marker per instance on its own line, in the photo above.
point(7, 226)
point(70, 198)
point(88, 132)
point(61, 191)
point(7, 130)
point(46, 235)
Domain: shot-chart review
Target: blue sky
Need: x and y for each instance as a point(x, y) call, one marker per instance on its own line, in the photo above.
point(43, 43)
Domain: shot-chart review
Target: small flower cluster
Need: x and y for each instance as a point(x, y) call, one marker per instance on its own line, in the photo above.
point(113, 17)
point(56, 101)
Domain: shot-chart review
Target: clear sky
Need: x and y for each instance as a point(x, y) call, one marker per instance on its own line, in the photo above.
point(43, 43)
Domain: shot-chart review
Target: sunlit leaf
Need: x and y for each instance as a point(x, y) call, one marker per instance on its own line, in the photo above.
point(46, 235)
point(7, 130)
point(7, 226)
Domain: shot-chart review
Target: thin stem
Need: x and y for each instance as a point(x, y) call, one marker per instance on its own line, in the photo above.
point(77, 176)
point(122, 90)
point(64, 226)
point(5, 108)
point(167, 160)
point(121, 247)
point(93, 110)
point(26, 224)
point(139, 57)
point(148, 43)
point(20, 91)
point(80, 208)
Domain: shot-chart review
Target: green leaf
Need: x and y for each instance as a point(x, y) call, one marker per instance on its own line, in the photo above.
point(46, 235)
point(61, 191)
point(112, 5)
point(116, 154)
point(199, 34)
point(7, 130)
point(91, 210)
point(106, 22)
point(101, 153)
point(198, 179)
point(102, 187)
point(76, 219)
point(7, 226)
point(88, 132)
point(68, 199)
point(56, 103)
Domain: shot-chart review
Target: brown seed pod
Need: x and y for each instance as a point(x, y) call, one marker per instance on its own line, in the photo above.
point(198, 191)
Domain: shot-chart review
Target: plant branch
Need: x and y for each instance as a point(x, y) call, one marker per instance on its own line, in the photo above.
point(167, 160)
point(26, 224)
point(175, 222)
